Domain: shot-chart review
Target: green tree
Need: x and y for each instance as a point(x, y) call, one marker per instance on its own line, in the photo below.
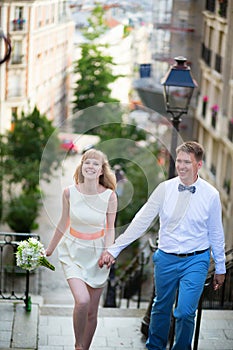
point(22, 167)
point(94, 68)
point(2, 154)
point(120, 139)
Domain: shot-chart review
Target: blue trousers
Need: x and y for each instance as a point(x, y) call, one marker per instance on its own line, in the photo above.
point(174, 273)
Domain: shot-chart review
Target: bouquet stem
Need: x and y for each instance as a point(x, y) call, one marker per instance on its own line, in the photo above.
point(44, 262)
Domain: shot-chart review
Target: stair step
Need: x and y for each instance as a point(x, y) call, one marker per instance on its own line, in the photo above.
point(67, 310)
point(23, 334)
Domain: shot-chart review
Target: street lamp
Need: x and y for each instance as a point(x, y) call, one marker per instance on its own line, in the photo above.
point(178, 90)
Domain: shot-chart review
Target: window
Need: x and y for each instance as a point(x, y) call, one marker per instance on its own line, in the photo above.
point(15, 86)
point(17, 52)
point(19, 20)
point(19, 12)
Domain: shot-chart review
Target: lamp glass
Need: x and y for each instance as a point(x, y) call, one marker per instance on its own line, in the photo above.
point(178, 86)
point(177, 98)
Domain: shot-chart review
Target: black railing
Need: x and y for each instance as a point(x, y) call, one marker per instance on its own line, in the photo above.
point(223, 8)
point(210, 5)
point(206, 54)
point(128, 284)
point(230, 130)
point(14, 281)
point(218, 63)
point(210, 299)
point(18, 24)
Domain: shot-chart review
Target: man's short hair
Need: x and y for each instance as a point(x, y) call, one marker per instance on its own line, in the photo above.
point(192, 147)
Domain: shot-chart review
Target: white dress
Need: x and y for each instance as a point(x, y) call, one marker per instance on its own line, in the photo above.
point(79, 257)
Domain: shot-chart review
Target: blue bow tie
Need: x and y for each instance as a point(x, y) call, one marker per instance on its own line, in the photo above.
point(191, 189)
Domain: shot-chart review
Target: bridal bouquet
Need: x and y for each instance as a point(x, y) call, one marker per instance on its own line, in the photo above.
point(31, 254)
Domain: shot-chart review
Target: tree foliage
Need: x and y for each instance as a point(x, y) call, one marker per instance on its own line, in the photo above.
point(94, 68)
point(24, 147)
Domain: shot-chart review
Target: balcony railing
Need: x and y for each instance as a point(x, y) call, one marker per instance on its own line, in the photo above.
point(218, 63)
point(14, 282)
point(206, 54)
point(17, 59)
point(223, 8)
point(18, 24)
point(230, 130)
point(210, 5)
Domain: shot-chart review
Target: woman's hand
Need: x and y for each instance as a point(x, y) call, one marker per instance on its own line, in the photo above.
point(48, 252)
point(106, 259)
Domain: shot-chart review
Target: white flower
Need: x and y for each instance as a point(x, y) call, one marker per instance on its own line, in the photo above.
point(31, 254)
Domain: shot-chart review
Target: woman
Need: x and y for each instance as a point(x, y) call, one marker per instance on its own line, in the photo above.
point(89, 211)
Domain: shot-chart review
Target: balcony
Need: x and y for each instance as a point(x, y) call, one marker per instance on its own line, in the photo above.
point(210, 5)
point(204, 106)
point(223, 8)
point(218, 63)
point(17, 59)
point(15, 92)
point(18, 24)
point(206, 54)
point(230, 130)
point(214, 115)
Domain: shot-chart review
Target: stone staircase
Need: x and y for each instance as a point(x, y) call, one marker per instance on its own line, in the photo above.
point(23, 330)
point(49, 327)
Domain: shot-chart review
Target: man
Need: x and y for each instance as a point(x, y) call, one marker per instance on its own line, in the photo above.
point(189, 209)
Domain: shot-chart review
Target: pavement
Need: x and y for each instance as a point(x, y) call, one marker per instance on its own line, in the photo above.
point(49, 324)
point(49, 327)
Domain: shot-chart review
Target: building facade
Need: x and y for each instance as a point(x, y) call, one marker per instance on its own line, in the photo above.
point(38, 72)
point(202, 31)
point(214, 115)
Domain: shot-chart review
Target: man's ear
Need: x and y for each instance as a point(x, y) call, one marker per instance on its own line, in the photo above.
point(200, 164)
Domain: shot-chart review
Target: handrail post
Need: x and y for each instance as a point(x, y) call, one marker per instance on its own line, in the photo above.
point(198, 322)
point(110, 299)
point(27, 297)
point(141, 262)
point(9, 240)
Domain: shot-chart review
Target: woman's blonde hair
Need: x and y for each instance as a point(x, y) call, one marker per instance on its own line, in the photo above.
point(107, 179)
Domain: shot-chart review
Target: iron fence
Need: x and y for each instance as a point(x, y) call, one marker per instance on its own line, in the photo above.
point(14, 281)
point(129, 282)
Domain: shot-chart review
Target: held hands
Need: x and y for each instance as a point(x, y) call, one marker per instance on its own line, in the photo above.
point(218, 281)
point(106, 259)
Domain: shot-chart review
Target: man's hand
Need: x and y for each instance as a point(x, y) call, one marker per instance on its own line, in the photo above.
point(218, 281)
point(106, 259)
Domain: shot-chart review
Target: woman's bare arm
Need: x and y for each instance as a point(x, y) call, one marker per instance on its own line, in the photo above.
point(62, 224)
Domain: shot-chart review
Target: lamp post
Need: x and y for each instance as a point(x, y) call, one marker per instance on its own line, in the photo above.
point(178, 90)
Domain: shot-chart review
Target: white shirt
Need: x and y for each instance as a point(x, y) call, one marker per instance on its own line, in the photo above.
point(188, 221)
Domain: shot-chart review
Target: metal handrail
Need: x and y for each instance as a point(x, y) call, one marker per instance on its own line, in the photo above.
point(128, 283)
point(9, 239)
point(229, 268)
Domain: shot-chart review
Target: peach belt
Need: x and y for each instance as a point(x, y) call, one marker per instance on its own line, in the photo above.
point(86, 236)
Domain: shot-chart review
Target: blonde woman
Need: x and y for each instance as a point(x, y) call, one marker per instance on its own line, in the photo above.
point(88, 214)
